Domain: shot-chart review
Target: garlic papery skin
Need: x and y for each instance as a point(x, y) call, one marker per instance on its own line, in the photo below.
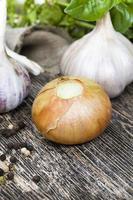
point(71, 110)
point(14, 79)
point(3, 15)
point(31, 66)
point(103, 55)
point(14, 84)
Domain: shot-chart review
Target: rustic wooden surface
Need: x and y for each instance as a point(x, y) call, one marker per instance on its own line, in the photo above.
point(100, 169)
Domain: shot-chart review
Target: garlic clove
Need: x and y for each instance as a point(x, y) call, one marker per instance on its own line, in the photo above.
point(31, 66)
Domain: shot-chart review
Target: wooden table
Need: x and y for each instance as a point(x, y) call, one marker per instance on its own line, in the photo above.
point(100, 169)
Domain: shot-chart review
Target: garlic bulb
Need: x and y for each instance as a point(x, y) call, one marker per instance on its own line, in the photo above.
point(71, 110)
point(103, 55)
point(14, 79)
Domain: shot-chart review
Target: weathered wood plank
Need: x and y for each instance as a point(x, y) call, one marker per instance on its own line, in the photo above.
point(124, 104)
point(100, 169)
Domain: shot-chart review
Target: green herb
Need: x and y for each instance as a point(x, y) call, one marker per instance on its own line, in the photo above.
point(93, 10)
point(79, 16)
point(89, 10)
point(49, 13)
point(122, 17)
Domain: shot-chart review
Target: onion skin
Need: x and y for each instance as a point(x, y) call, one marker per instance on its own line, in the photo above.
point(71, 121)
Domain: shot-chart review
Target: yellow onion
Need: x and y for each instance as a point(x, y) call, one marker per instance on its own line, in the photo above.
point(71, 110)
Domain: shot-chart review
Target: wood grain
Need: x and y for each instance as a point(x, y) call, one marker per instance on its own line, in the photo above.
point(100, 169)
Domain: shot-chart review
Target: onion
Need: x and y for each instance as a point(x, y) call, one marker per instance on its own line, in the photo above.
point(71, 110)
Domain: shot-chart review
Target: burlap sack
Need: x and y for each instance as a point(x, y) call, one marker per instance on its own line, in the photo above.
point(42, 45)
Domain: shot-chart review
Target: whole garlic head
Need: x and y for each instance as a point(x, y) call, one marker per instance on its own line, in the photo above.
point(14, 79)
point(103, 55)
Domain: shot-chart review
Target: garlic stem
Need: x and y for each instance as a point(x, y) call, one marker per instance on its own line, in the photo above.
point(3, 15)
point(105, 24)
point(31, 66)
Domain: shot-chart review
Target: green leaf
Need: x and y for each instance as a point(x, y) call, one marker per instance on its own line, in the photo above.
point(32, 16)
point(129, 33)
point(61, 2)
point(90, 10)
point(122, 17)
point(67, 21)
point(50, 14)
point(128, 1)
point(11, 10)
point(28, 4)
point(30, 12)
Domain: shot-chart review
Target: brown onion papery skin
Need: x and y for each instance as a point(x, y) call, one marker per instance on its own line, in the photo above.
point(72, 121)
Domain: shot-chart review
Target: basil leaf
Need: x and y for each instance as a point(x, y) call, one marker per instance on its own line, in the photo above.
point(90, 10)
point(129, 33)
point(122, 17)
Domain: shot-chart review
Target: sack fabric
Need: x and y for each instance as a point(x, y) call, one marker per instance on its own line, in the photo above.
point(44, 45)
